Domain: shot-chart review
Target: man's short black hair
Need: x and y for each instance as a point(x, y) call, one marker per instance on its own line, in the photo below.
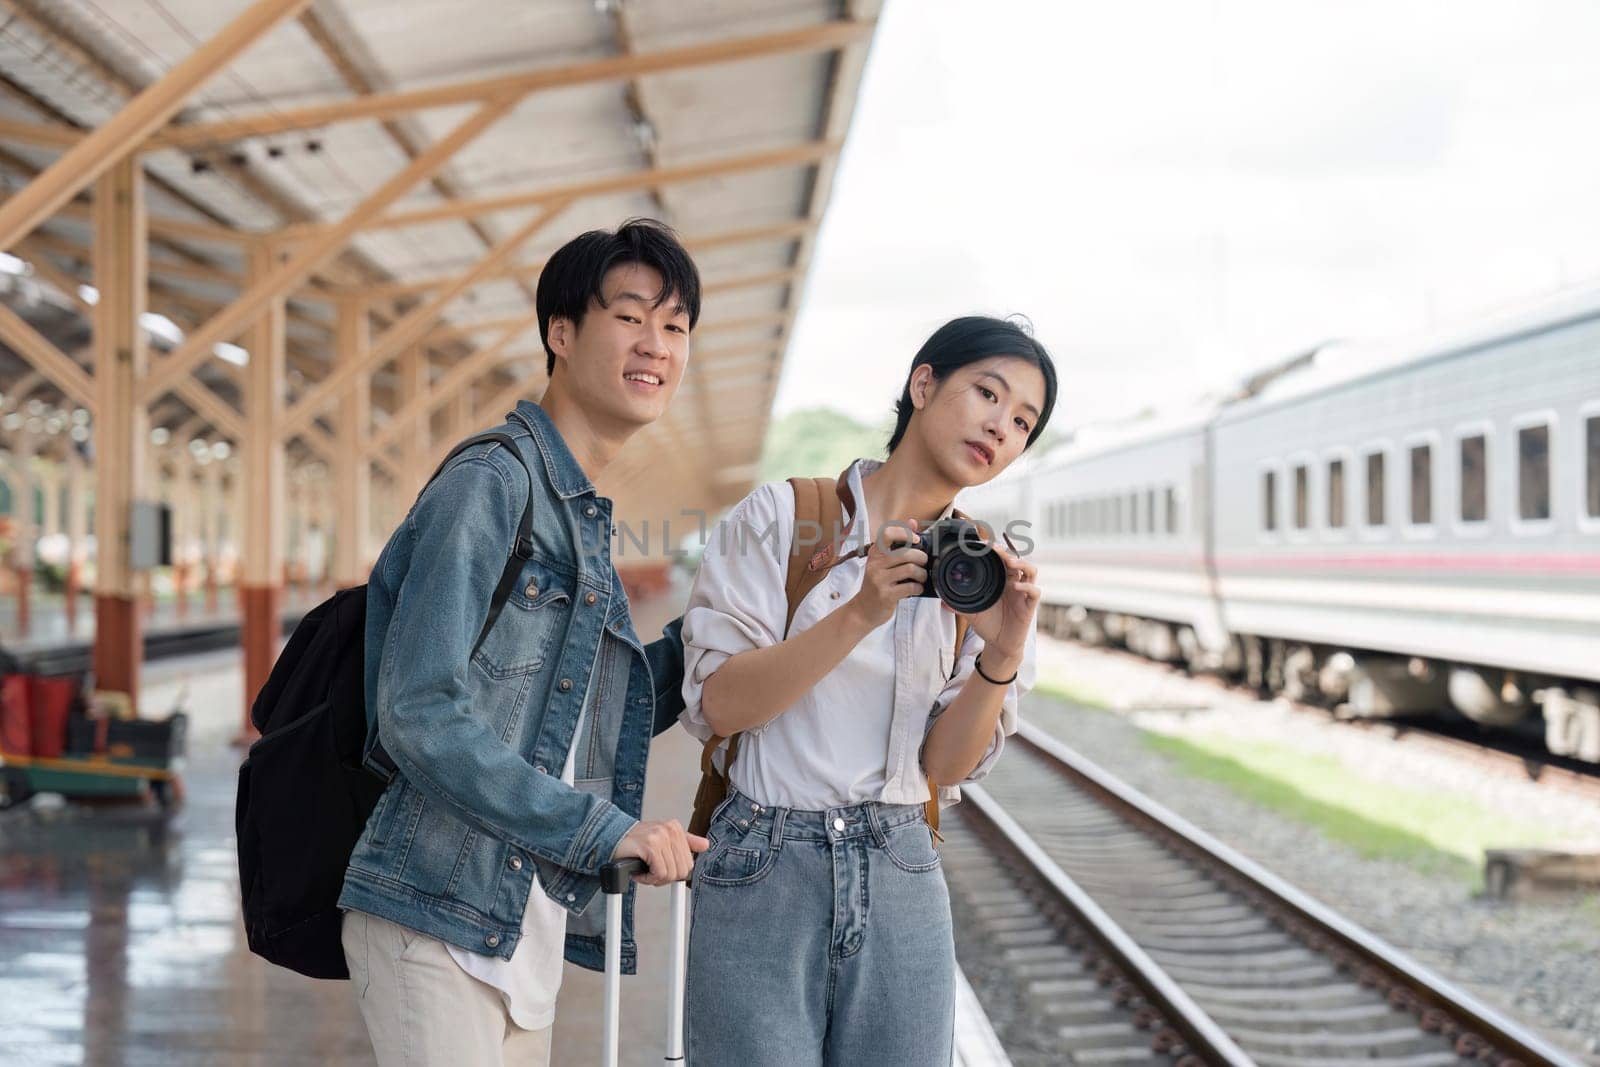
point(573, 275)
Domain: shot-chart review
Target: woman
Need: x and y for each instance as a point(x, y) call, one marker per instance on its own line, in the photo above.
point(821, 930)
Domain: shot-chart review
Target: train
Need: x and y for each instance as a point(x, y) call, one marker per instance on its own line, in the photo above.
point(1409, 529)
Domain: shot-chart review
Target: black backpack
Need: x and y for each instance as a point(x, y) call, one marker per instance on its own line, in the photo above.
point(304, 792)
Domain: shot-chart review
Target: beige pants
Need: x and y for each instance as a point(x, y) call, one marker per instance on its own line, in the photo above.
point(423, 1010)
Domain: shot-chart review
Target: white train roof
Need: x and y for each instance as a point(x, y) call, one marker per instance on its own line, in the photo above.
point(1341, 363)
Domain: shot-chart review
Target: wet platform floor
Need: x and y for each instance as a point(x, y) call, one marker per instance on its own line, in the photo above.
point(120, 936)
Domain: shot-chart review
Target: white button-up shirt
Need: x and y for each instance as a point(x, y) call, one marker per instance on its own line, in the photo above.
point(857, 734)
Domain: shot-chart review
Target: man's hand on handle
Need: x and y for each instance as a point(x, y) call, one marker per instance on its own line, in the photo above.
point(667, 850)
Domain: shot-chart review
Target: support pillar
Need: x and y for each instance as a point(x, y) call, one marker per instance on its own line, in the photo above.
point(263, 461)
point(416, 446)
point(25, 529)
point(77, 532)
point(183, 525)
point(212, 502)
point(121, 428)
point(351, 470)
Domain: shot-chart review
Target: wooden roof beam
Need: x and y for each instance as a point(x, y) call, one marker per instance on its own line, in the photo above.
point(409, 329)
point(327, 244)
point(457, 378)
point(46, 358)
point(824, 37)
point(529, 272)
point(91, 157)
point(810, 152)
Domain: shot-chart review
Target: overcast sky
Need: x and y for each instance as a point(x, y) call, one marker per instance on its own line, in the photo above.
point(1175, 191)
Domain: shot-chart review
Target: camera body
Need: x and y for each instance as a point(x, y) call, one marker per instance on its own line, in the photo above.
point(964, 570)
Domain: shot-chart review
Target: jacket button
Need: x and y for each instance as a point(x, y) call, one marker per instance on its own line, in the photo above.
point(541, 769)
point(493, 941)
point(571, 897)
point(515, 863)
point(589, 598)
point(532, 590)
point(589, 512)
point(566, 685)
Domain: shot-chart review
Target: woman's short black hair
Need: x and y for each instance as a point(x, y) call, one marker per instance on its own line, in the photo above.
point(573, 275)
point(967, 340)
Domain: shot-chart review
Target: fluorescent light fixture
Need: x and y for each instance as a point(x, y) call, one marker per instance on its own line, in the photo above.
point(10, 264)
point(231, 352)
point(90, 294)
point(161, 327)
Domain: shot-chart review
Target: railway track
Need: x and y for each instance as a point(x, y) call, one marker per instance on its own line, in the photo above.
point(1141, 939)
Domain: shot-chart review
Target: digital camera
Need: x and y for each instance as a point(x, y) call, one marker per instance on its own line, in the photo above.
point(964, 570)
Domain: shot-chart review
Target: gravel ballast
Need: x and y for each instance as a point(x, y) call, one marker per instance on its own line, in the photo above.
point(1538, 960)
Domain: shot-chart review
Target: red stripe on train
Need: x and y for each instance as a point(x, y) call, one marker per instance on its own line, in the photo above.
point(1485, 563)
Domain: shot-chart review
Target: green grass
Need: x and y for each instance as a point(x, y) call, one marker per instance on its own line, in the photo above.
point(1060, 688)
point(1441, 832)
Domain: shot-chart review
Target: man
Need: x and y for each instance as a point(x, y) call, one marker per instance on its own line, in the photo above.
point(520, 766)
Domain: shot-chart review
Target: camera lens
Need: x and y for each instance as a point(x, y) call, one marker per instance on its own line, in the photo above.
point(969, 577)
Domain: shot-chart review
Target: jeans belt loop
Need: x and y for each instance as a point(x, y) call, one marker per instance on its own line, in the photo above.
point(878, 836)
point(778, 815)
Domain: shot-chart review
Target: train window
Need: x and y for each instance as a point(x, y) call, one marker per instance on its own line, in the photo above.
point(1172, 496)
point(1269, 500)
point(1302, 497)
point(1533, 472)
point(1376, 493)
point(1474, 478)
point(1336, 493)
point(1421, 484)
point(1150, 511)
point(1591, 438)
point(1133, 513)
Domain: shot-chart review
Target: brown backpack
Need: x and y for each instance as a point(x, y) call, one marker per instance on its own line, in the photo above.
point(819, 512)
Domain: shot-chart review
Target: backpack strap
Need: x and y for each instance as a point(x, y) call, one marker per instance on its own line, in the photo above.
point(378, 761)
point(819, 508)
point(819, 518)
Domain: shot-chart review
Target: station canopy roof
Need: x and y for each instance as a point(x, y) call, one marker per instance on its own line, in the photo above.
point(724, 118)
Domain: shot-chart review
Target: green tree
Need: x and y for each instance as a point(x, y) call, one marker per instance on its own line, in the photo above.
point(819, 443)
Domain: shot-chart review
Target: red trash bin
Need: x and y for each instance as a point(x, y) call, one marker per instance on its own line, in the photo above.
point(50, 701)
point(16, 721)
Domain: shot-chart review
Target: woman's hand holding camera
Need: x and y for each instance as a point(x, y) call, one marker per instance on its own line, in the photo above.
point(893, 573)
point(1004, 627)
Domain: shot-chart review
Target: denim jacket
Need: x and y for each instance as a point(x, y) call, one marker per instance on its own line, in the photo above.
point(480, 740)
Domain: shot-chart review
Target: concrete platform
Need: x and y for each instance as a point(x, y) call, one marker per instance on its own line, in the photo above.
point(121, 943)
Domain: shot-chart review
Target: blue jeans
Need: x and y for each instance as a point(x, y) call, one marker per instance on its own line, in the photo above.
point(820, 937)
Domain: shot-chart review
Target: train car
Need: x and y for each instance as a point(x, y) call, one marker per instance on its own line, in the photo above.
point(1393, 531)
point(1120, 537)
point(1427, 531)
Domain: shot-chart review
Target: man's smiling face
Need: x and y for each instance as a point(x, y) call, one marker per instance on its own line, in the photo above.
point(626, 359)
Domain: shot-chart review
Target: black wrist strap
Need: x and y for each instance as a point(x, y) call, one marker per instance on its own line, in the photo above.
point(977, 665)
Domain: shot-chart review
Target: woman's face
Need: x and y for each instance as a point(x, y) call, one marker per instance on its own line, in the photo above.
point(977, 419)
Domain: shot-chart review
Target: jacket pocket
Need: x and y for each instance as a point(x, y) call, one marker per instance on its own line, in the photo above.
point(531, 625)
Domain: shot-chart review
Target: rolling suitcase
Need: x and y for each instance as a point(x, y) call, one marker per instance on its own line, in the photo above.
point(614, 879)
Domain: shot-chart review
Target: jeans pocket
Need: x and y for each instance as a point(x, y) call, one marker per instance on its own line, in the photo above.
point(910, 847)
point(736, 858)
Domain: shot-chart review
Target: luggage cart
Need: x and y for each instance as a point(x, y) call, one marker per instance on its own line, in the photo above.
point(94, 757)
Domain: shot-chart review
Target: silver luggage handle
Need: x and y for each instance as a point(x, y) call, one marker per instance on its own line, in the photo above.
point(614, 880)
